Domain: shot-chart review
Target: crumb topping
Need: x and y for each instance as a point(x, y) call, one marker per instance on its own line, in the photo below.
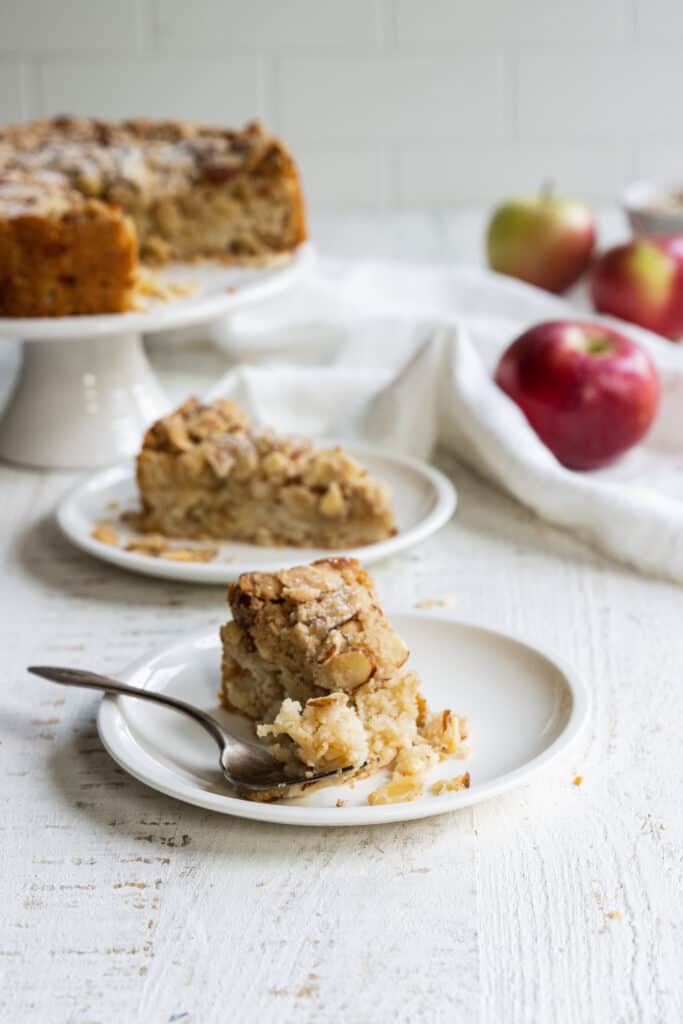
point(321, 621)
point(122, 161)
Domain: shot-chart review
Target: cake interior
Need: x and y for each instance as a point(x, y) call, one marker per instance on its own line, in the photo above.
point(246, 219)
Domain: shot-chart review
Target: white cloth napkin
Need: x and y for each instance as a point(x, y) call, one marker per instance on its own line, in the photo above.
point(402, 356)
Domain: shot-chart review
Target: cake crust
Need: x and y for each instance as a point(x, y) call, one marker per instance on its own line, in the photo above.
point(63, 254)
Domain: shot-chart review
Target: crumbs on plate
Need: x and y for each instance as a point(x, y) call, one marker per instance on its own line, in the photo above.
point(156, 546)
point(105, 532)
point(453, 785)
point(153, 544)
point(149, 286)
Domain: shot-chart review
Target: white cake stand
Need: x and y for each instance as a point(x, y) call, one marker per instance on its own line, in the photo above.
point(85, 390)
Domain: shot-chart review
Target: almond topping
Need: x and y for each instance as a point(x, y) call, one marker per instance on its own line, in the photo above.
point(346, 671)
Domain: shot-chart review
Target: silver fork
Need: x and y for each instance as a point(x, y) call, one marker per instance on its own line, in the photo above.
point(247, 766)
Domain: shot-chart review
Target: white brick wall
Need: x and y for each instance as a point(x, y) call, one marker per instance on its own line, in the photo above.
point(68, 26)
point(266, 26)
point(193, 87)
point(434, 24)
point(397, 100)
point(405, 103)
point(12, 90)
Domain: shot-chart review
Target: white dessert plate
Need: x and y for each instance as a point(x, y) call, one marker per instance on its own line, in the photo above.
point(424, 499)
point(524, 708)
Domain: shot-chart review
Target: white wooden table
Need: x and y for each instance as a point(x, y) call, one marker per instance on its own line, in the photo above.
point(556, 903)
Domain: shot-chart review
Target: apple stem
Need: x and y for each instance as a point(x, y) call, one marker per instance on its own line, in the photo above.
point(599, 347)
point(547, 188)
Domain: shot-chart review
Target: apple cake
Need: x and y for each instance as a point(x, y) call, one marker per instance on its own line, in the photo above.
point(310, 656)
point(206, 472)
point(81, 198)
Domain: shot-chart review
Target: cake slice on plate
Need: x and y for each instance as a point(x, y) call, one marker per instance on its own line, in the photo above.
point(206, 472)
point(310, 656)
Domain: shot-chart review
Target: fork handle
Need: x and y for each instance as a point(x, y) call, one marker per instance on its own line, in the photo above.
point(94, 681)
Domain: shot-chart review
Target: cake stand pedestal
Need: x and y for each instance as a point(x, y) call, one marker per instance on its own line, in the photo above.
point(80, 403)
point(85, 391)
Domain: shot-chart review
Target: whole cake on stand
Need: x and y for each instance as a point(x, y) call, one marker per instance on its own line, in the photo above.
point(110, 229)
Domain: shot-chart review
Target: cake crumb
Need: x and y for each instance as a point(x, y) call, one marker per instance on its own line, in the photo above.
point(436, 602)
point(577, 780)
point(105, 533)
point(400, 789)
point(340, 803)
point(311, 989)
point(453, 785)
point(614, 915)
point(149, 286)
point(112, 506)
point(154, 545)
point(190, 554)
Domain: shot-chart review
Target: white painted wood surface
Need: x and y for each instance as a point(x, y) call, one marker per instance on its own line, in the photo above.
point(556, 903)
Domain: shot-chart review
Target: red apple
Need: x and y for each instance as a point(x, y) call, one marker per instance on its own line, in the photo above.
point(589, 392)
point(542, 239)
point(642, 281)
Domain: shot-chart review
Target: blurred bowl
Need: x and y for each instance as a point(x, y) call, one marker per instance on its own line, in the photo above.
point(652, 207)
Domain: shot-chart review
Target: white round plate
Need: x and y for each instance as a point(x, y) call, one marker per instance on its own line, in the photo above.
point(524, 708)
point(424, 499)
point(215, 290)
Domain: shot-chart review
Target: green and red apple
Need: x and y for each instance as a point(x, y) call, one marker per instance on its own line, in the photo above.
point(642, 281)
point(545, 240)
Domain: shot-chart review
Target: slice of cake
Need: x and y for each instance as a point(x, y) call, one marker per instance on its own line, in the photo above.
point(311, 657)
point(206, 472)
point(174, 190)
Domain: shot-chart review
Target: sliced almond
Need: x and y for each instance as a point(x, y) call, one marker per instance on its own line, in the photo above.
point(345, 671)
point(327, 700)
point(177, 437)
